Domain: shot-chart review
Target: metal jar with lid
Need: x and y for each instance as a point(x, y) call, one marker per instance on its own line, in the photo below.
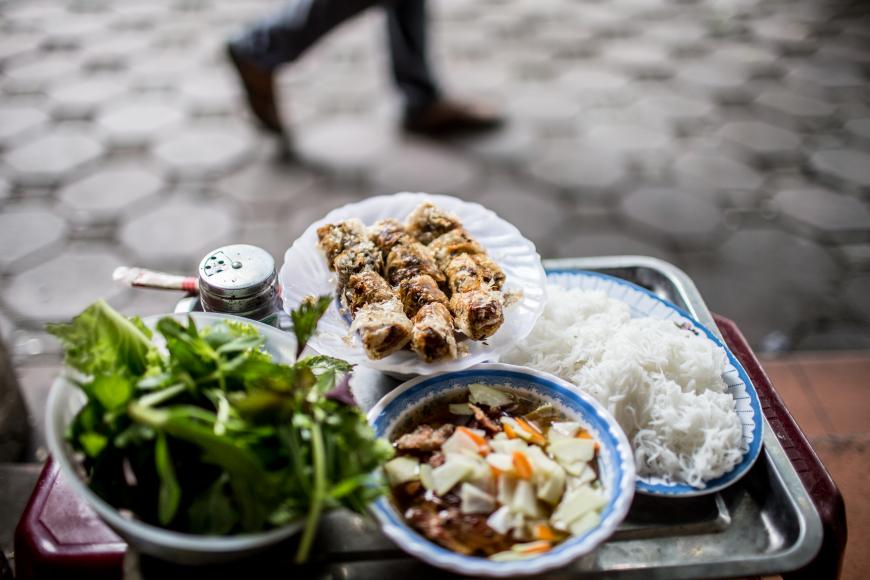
point(240, 279)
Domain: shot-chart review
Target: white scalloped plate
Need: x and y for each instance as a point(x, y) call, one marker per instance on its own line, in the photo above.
point(305, 273)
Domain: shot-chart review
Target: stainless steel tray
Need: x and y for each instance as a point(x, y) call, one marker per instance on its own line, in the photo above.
point(764, 524)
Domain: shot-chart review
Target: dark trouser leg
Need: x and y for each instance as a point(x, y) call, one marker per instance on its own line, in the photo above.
point(406, 25)
point(283, 37)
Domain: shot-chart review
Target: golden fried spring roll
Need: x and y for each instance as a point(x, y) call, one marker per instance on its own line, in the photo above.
point(388, 233)
point(336, 238)
point(383, 328)
point(463, 275)
point(429, 221)
point(478, 314)
point(409, 260)
point(432, 336)
point(459, 241)
point(366, 288)
point(419, 291)
point(362, 257)
point(490, 273)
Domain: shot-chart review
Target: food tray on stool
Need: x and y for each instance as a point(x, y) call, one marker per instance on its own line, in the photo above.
point(766, 523)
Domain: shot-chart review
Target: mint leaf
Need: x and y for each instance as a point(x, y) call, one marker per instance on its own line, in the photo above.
point(305, 319)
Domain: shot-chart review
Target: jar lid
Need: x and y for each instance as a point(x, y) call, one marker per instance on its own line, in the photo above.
point(236, 271)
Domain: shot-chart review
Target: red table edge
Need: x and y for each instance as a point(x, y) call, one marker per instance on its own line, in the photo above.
point(813, 474)
point(815, 477)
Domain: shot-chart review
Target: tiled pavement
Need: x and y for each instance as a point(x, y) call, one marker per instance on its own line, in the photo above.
point(731, 138)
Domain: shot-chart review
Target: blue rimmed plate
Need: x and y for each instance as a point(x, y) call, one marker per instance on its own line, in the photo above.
point(410, 403)
point(642, 302)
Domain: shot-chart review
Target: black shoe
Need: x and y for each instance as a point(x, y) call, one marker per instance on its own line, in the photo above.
point(259, 88)
point(444, 118)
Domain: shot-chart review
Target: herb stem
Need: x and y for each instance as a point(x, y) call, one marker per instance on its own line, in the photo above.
point(318, 494)
point(160, 396)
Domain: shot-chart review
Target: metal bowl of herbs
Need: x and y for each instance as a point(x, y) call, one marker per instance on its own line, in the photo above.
point(205, 438)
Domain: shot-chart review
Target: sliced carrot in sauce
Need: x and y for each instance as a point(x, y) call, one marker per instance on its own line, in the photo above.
point(537, 548)
point(496, 472)
point(544, 532)
point(537, 437)
point(482, 446)
point(584, 435)
point(522, 466)
point(509, 431)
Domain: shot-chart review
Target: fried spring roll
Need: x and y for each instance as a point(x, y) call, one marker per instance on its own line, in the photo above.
point(362, 257)
point(409, 260)
point(366, 288)
point(453, 243)
point(429, 221)
point(338, 237)
point(490, 272)
point(383, 327)
point(432, 336)
point(419, 291)
point(463, 275)
point(388, 233)
point(478, 314)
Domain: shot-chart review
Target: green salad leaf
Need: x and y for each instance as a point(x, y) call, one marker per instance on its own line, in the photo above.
point(211, 435)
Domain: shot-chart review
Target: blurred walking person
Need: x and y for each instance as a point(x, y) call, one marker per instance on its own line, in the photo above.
point(265, 46)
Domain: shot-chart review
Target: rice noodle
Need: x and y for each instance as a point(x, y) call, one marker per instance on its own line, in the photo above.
point(662, 383)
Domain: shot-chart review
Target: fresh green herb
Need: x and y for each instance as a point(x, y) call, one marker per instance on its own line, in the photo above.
point(212, 436)
point(305, 319)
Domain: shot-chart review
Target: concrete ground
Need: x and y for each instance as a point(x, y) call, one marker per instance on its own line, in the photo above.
point(730, 138)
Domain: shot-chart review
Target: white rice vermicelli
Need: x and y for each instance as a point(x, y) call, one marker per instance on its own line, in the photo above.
point(662, 383)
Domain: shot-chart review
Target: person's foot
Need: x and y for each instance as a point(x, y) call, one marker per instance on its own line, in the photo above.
point(446, 117)
point(259, 85)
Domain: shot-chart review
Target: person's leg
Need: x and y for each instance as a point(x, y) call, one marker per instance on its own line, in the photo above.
point(263, 47)
point(406, 28)
point(284, 36)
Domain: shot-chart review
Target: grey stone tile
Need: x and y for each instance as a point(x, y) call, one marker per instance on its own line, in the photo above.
point(727, 83)
point(793, 107)
point(761, 142)
point(847, 167)
point(268, 189)
point(758, 278)
point(128, 124)
point(179, 231)
point(826, 76)
point(582, 242)
point(597, 85)
point(27, 230)
point(345, 145)
point(17, 121)
point(75, 32)
point(82, 98)
point(685, 112)
point(757, 61)
point(47, 159)
point(639, 58)
point(588, 172)
point(420, 166)
point(7, 328)
point(115, 51)
point(37, 74)
point(5, 188)
point(209, 94)
point(706, 172)
point(199, 151)
point(545, 107)
point(860, 131)
point(109, 192)
point(857, 294)
point(60, 288)
point(856, 255)
point(674, 215)
point(533, 210)
point(146, 302)
point(18, 45)
point(628, 138)
point(508, 144)
point(834, 215)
